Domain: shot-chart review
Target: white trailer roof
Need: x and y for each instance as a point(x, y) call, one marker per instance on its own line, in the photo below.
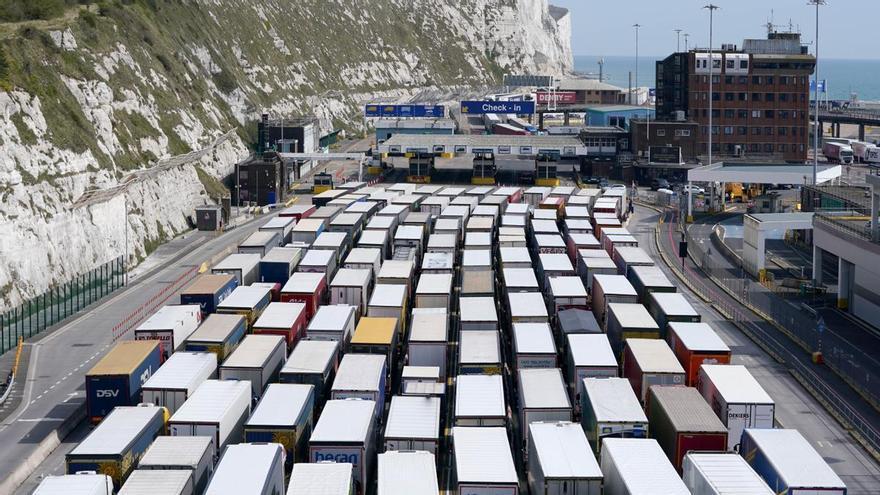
point(168, 317)
point(582, 240)
point(591, 349)
point(441, 241)
point(241, 465)
point(309, 225)
point(545, 227)
point(520, 277)
point(447, 224)
point(634, 254)
point(329, 240)
point(673, 303)
point(479, 346)
point(396, 269)
point(393, 209)
point(260, 238)
point(238, 261)
point(282, 404)
point(359, 372)
point(515, 255)
point(435, 283)
point(698, 336)
point(577, 212)
point(563, 451)
point(728, 474)
point(652, 276)
point(429, 325)
point(332, 317)
point(407, 473)
point(527, 304)
point(542, 388)
point(517, 209)
point(476, 257)
point(413, 417)
point(642, 466)
point(533, 338)
point(176, 451)
point(381, 222)
point(479, 309)
point(316, 257)
point(654, 356)
point(600, 262)
point(483, 217)
point(253, 351)
point(438, 261)
point(478, 396)
point(283, 254)
point(614, 400)
point(348, 420)
point(351, 277)
point(211, 401)
point(482, 455)
point(388, 295)
point(280, 315)
point(632, 315)
point(363, 255)
point(373, 237)
point(593, 254)
point(310, 356)
point(361, 207)
point(409, 232)
point(512, 231)
point(555, 262)
point(614, 284)
point(549, 241)
point(420, 372)
point(119, 428)
point(795, 459)
point(156, 482)
point(736, 384)
point(183, 371)
point(545, 214)
point(456, 210)
point(567, 287)
point(451, 191)
point(73, 484)
point(327, 478)
point(478, 239)
point(508, 220)
point(244, 297)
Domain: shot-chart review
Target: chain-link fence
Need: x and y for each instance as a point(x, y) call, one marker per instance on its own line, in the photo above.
point(56, 304)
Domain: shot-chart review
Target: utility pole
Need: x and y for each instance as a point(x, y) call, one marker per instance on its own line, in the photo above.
point(601, 68)
point(711, 8)
point(677, 40)
point(817, 3)
point(686, 36)
point(125, 208)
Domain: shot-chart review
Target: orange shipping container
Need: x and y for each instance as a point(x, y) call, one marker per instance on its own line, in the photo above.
point(696, 344)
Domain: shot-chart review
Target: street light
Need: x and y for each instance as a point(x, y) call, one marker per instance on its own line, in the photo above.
point(677, 40)
point(817, 3)
point(636, 26)
point(711, 8)
point(686, 36)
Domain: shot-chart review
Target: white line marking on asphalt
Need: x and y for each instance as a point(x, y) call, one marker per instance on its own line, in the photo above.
point(37, 420)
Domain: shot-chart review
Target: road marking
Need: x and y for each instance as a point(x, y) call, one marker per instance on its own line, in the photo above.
point(38, 420)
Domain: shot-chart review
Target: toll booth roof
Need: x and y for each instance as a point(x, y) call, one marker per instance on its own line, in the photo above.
point(763, 173)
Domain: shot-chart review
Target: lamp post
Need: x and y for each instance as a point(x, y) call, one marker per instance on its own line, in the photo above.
point(817, 3)
point(711, 8)
point(636, 26)
point(125, 224)
point(677, 40)
point(686, 36)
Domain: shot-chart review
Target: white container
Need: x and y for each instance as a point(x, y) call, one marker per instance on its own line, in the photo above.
point(508, 220)
point(218, 409)
point(407, 473)
point(581, 212)
point(476, 259)
point(638, 466)
point(721, 474)
point(461, 212)
point(284, 415)
point(193, 454)
point(434, 205)
point(244, 267)
point(567, 292)
point(442, 243)
point(589, 266)
point(533, 346)
point(542, 397)
point(260, 242)
point(551, 244)
point(78, 484)
point(627, 321)
point(428, 338)
point(312, 362)
point(283, 226)
point(626, 257)
point(789, 463)
point(554, 265)
point(483, 219)
point(483, 462)
point(648, 362)
point(478, 240)
point(383, 222)
point(434, 290)
point(534, 195)
point(667, 307)
point(389, 300)
point(326, 478)
point(376, 239)
point(318, 261)
point(477, 282)
point(151, 482)
point(737, 398)
point(588, 356)
point(308, 229)
point(337, 242)
point(479, 401)
point(479, 353)
point(249, 468)
point(171, 326)
point(258, 359)
point(360, 376)
point(527, 307)
point(361, 258)
point(517, 209)
point(450, 226)
point(477, 313)
point(520, 280)
point(610, 408)
point(647, 279)
point(346, 433)
point(437, 262)
point(560, 461)
point(580, 233)
point(333, 322)
point(178, 378)
point(351, 287)
point(610, 289)
point(413, 424)
point(515, 257)
point(397, 272)
point(544, 227)
point(398, 211)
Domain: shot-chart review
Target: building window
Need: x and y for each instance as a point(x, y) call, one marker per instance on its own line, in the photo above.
point(728, 79)
point(769, 114)
point(756, 96)
point(756, 131)
point(794, 131)
point(661, 132)
point(783, 148)
point(783, 80)
point(743, 96)
point(705, 78)
point(743, 130)
point(783, 97)
point(729, 113)
point(769, 79)
point(715, 130)
point(728, 130)
point(783, 131)
point(742, 114)
point(716, 63)
point(716, 114)
point(756, 114)
point(770, 97)
point(768, 147)
point(728, 96)
point(756, 79)
point(716, 96)
point(783, 114)
point(716, 79)
point(730, 63)
point(705, 113)
point(744, 64)
point(682, 132)
point(768, 131)
point(743, 79)
point(756, 147)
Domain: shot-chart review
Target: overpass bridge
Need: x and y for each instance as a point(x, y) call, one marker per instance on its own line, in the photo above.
point(861, 118)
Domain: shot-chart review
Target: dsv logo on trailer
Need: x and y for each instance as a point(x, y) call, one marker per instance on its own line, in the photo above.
point(338, 457)
point(102, 394)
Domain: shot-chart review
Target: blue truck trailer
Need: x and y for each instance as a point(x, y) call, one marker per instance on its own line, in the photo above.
point(117, 378)
point(208, 290)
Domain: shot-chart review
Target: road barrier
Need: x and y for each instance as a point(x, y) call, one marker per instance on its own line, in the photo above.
point(150, 306)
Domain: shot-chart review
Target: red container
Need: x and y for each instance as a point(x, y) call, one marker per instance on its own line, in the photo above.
point(695, 344)
point(287, 319)
point(681, 421)
point(298, 211)
point(307, 288)
point(648, 363)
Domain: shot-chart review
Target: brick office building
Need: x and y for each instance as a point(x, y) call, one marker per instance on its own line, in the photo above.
point(760, 97)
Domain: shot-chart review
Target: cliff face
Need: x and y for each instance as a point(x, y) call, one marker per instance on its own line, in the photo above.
point(103, 98)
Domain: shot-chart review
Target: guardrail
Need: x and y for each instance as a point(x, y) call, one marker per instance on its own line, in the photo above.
point(12, 374)
point(134, 318)
point(846, 222)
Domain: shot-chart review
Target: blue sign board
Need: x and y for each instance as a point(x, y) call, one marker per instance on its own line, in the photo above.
point(482, 107)
point(433, 111)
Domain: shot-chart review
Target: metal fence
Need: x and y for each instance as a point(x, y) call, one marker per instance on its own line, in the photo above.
point(60, 302)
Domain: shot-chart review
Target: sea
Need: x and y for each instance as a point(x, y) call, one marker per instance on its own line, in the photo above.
point(844, 76)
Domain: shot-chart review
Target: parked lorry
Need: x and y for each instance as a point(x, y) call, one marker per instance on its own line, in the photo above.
point(284, 416)
point(219, 334)
point(696, 344)
point(721, 474)
point(361, 376)
point(194, 455)
point(427, 343)
point(434, 290)
point(287, 319)
point(533, 346)
point(477, 313)
point(252, 468)
point(407, 473)
point(483, 461)
point(218, 409)
point(479, 401)
point(346, 433)
point(178, 378)
point(152, 482)
point(208, 290)
point(333, 322)
point(313, 362)
point(116, 379)
point(588, 356)
point(244, 267)
point(560, 461)
point(170, 325)
point(377, 336)
point(609, 289)
point(683, 422)
point(649, 362)
point(648, 279)
point(629, 321)
point(479, 353)
point(326, 478)
point(351, 287)
point(390, 301)
point(307, 288)
point(542, 397)
point(737, 398)
point(667, 307)
point(258, 360)
point(279, 264)
point(413, 424)
point(610, 409)
point(638, 466)
point(80, 484)
point(248, 301)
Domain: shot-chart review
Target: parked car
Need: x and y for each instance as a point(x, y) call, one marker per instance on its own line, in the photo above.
point(690, 188)
point(659, 183)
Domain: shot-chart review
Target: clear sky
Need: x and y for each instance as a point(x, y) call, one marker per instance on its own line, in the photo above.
point(848, 28)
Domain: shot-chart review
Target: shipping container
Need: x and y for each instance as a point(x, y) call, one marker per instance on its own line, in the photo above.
point(575, 241)
point(588, 356)
point(482, 220)
point(543, 227)
point(351, 224)
point(287, 319)
point(313, 362)
point(247, 301)
point(667, 307)
point(527, 307)
point(434, 205)
point(307, 230)
point(695, 344)
point(207, 290)
point(258, 359)
point(407, 473)
point(542, 397)
point(376, 335)
point(383, 222)
point(483, 462)
point(170, 325)
point(195, 455)
point(436, 262)
point(249, 468)
point(721, 474)
point(116, 379)
point(361, 258)
point(428, 338)
point(333, 322)
point(178, 378)
point(649, 362)
point(297, 212)
point(551, 245)
point(361, 376)
point(279, 264)
point(284, 416)
point(376, 239)
point(610, 409)
point(560, 461)
point(683, 422)
point(244, 267)
point(533, 196)
point(318, 261)
point(218, 409)
point(477, 313)
point(260, 242)
point(325, 478)
point(76, 484)
point(637, 466)
point(515, 257)
point(400, 272)
point(151, 482)
point(567, 292)
point(434, 291)
point(413, 424)
point(219, 334)
point(479, 401)
point(629, 321)
point(648, 279)
point(737, 398)
point(479, 353)
point(576, 321)
point(346, 433)
point(282, 225)
point(533, 346)
point(339, 243)
point(397, 211)
point(518, 221)
point(590, 266)
point(520, 209)
point(307, 288)
point(520, 280)
point(478, 240)
point(627, 257)
point(115, 445)
point(390, 301)
point(550, 213)
point(477, 283)
point(788, 463)
point(609, 289)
